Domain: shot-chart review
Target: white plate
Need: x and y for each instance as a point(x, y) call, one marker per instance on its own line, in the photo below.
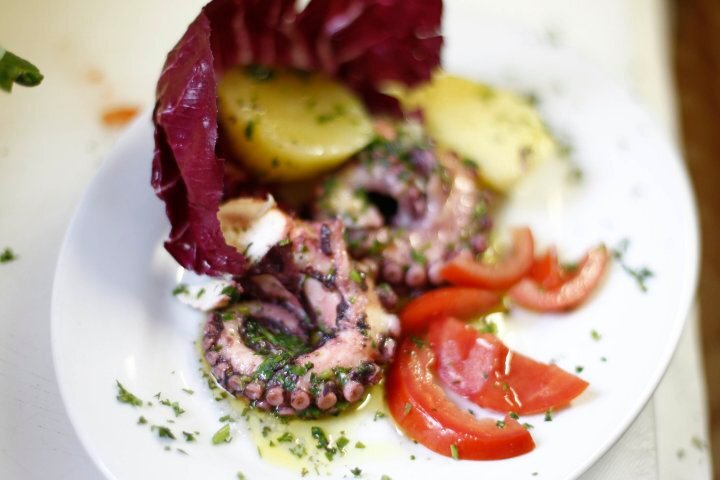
point(113, 316)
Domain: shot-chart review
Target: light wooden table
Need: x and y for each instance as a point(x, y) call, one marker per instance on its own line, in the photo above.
point(101, 54)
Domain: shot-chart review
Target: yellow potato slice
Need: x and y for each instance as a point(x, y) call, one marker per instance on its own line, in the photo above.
point(288, 125)
point(498, 130)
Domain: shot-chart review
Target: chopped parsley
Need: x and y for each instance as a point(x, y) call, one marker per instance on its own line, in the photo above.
point(356, 471)
point(514, 415)
point(7, 256)
point(341, 443)
point(356, 276)
point(299, 450)
point(249, 129)
point(163, 432)
point(359, 444)
point(595, 335)
point(180, 289)
point(500, 424)
point(527, 426)
point(286, 437)
point(222, 435)
point(697, 442)
point(177, 409)
point(259, 73)
point(142, 420)
point(640, 274)
point(454, 452)
point(124, 396)
point(548, 415)
point(189, 437)
point(304, 472)
point(579, 369)
point(418, 257)
point(228, 418)
point(14, 69)
point(378, 415)
point(323, 443)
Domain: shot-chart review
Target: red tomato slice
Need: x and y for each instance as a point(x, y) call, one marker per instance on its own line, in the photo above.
point(467, 272)
point(458, 302)
point(423, 411)
point(481, 368)
point(571, 292)
point(547, 272)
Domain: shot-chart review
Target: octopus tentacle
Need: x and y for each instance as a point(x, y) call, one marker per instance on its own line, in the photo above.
point(307, 330)
point(408, 208)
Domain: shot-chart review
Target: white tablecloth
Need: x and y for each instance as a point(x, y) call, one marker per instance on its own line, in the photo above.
point(100, 54)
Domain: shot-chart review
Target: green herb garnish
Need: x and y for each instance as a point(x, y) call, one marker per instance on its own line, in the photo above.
point(189, 437)
point(641, 274)
point(500, 424)
point(163, 432)
point(454, 452)
point(222, 435)
point(180, 289)
point(259, 73)
point(7, 256)
point(124, 396)
point(356, 471)
point(548, 415)
point(286, 437)
point(14, 69)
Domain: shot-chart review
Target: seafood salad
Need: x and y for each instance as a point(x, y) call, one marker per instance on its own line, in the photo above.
point(338, 188)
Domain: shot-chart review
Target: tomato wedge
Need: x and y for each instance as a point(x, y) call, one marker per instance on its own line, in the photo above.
point(459, 302)
point(481, 368)
point(573, 287)
point(467, 272)
point(547, 272)
point(423, 411)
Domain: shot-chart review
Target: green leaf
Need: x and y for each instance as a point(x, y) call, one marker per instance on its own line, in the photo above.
point(14, 69)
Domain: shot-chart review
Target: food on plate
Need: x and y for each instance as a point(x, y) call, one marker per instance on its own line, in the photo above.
point(323, 206)
point(425, 413)
point(406, 207)
point(466, 271)
point(507, 138)
point(480, 367)
point(306, 339)
point(464, 303)
point(290, 124)
point(552, 287)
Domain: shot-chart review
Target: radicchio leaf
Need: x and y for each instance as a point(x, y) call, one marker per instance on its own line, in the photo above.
point(363, 43)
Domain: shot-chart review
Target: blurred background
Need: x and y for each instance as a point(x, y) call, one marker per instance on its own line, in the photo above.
point(101, 60)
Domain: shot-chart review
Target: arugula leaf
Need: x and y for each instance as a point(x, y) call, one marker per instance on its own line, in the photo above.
point(14, 69)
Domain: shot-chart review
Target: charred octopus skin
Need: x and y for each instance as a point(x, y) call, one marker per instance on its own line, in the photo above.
point(306, 336)
point(407, 207)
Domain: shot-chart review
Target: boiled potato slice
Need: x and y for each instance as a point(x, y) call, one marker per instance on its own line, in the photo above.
point(498, 130)
point(288, 125)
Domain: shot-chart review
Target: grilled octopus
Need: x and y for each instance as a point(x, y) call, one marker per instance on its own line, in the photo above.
point(306, 334)
point(407, 207)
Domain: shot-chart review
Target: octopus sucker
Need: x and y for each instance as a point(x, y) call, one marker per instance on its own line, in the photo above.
point(304, 334)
